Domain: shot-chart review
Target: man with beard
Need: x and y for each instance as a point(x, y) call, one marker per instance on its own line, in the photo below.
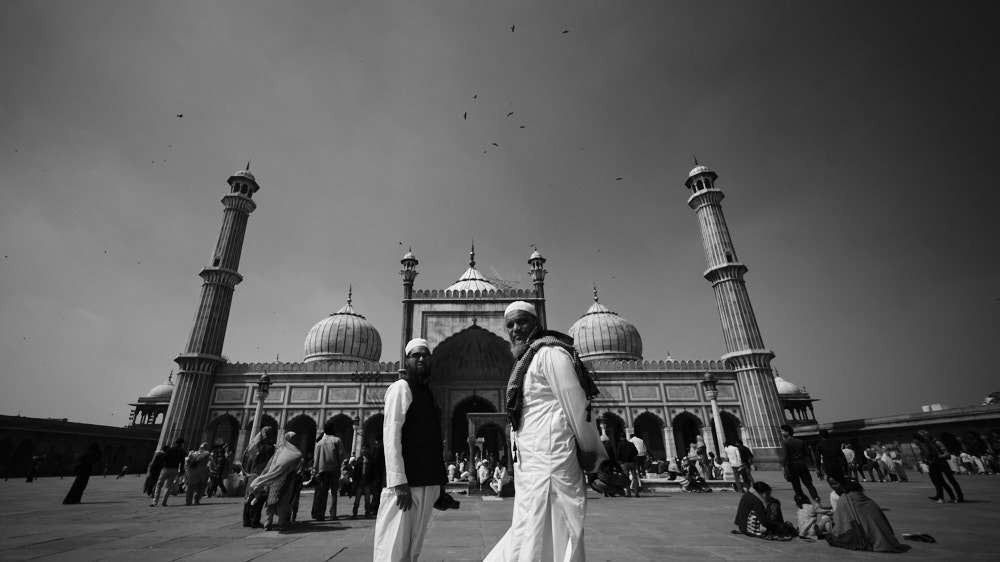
point(414, 460)
point(554, 443)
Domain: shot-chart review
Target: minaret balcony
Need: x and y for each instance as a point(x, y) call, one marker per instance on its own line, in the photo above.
point(711, 196)
point(732, 271)
point(221, 276)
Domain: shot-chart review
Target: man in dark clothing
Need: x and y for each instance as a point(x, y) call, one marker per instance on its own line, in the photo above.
point(830, 459)
point(328, 456)
point(746, 455)
point(627, 453)
point(155, 466)
point(366, 479)
point(414, 459)
point(795, 464)
point(173, 463)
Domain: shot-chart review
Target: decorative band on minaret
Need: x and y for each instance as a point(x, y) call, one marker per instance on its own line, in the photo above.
point(188, 412)
point(744, 345)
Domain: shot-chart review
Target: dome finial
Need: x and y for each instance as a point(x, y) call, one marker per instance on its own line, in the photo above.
point(595, 292)
point(350, 293)
point(170, 377)
point(248, 165)
point(472, 254)
point(695, 159)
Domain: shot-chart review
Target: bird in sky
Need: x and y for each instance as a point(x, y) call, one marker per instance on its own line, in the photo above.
point(509, 114)
point(474, 96)
point(618, 179)
point(521, 127)
point(512, 29)
point(565, 31)
point(180, 115)
point(496, 145)
point(465, 115)
point(105, 251)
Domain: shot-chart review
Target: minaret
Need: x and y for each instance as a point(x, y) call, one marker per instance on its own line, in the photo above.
point(409, 273)
point(188, 410)
point(538, 272)
point(744, 345)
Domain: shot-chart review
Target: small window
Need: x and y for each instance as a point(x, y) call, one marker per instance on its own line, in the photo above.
point(216, 262)
point(729, 257)
point(243, 188)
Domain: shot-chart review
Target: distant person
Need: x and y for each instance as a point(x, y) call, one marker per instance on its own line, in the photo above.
point(871, 465)
point(33, 468)
point(741, 473)
point(852, 465)
point(255, 459)
point(121, 473)
point(367, 481)
point(84, 467)
point(794, 464)
point(627, 455)
point(746, 454)
point(328, 456)
point(197, 474)
point(501, 477)
point(830, 459)
point(275, 486)
point(173, 461)
point(935, 455)
point(641, 458)
point(153, 471)
point(860, 524)
point(218, 469)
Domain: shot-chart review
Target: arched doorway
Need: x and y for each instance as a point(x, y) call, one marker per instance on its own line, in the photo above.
point(265, 421)
point(649, 428)
point(494, 442)
point(460, 424)
point(614, 426)
point(343, 427)
point(305, 433)
point(731, 427)
point(373, 431)
point(687, 428)
point(224, 429)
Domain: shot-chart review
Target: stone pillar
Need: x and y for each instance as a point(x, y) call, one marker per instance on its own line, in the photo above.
point(668, 440)
point(706, 434)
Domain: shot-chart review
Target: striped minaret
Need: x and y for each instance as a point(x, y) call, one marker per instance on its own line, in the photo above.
point(744, 346)
point(188, 412)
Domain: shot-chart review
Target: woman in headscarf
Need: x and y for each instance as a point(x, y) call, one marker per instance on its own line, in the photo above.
point(860, 524)
point(255, 459)
point(84, 466)
point(276, 484)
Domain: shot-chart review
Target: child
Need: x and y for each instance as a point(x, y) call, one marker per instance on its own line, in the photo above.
point(813, 520)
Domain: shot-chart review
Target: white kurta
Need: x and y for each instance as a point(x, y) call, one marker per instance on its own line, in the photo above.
point(399, 535)
point(551, 492)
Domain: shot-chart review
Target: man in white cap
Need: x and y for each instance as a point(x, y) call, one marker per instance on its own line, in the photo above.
point(554, 443)
point(414, 460)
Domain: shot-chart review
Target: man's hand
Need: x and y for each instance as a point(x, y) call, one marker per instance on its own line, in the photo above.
point(787, 477)
point(587, 460)
point(404, 499)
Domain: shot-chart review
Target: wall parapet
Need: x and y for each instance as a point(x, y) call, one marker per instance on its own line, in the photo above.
point(668, 364)
point(345, 367)
point(444, 294)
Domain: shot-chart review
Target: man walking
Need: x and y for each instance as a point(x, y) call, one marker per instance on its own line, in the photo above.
point(795, 465)
point(365, 481)
point(414, 460)
point(741, 472)
point(627, 455)
point(830, 459)
point(554, 443)
point(640, 460)
point(328, 455)
point(173, 460)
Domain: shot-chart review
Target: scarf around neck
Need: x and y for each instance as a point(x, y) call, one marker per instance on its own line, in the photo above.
point(515, 385)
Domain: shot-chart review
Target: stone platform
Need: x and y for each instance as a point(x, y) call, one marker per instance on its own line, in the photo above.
point(115, 522)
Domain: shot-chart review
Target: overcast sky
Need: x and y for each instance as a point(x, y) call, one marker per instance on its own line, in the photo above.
point(855, 141)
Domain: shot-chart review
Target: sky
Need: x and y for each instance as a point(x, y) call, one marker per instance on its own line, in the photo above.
point(852, 141)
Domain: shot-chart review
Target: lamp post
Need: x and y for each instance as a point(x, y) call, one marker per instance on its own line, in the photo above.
point(356, 445)
point(263, 385)
point(709, 383)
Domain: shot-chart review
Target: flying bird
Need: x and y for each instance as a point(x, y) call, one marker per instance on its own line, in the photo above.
point(474, 96)
point(618, 179)
point(105, 251)
point(512, 29)
point(566, 31)
point(180, 115)
point(465, 115)
point(496, 145)
point(509, 114)
point(521, 127)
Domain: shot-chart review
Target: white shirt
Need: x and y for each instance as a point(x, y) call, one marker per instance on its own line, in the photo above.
point(398, 398)
point(734, 456)
point(640, 445)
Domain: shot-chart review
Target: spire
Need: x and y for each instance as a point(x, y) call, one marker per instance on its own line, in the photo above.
point(595, 292)
point(695, 159)
point(350, 293)
point(472, 254)
point(170, 377)
point(248, 165)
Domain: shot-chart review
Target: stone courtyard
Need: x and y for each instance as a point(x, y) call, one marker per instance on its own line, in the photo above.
point(115, 522)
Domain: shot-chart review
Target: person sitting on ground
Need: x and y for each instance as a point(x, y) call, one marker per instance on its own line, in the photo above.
point(814, 521)
point(860, 524)
point(752, 515)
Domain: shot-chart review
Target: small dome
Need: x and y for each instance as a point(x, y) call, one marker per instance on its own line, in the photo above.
point(699, 169)
point(472, 280)
point(603, 334)
point(343, 336)
point(409, 255)
point(163, 391)
point(535, 256)
point(245, 174)
point(785, 387)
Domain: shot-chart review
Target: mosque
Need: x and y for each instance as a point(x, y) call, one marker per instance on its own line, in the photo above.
point(342, 377)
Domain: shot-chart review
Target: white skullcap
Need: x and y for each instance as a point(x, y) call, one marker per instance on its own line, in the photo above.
point(520, 305)
point(416, 342)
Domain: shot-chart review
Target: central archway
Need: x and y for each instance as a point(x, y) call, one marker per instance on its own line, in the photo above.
point(649, 428)
point(305, 433)
point(459, 422)
point(687, 428)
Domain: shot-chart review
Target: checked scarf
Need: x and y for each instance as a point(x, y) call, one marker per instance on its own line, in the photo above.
point(515, 385)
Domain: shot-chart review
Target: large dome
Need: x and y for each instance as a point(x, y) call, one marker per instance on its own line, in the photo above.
point(343, 336)
point(163, 391)
point(603, 334)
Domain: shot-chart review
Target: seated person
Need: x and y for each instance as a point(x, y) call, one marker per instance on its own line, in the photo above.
point(813, 521)
point(500, 478)
point(860, 524)
point(754, 516)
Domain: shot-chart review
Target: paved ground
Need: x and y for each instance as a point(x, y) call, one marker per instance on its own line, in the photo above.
point(115, 522)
